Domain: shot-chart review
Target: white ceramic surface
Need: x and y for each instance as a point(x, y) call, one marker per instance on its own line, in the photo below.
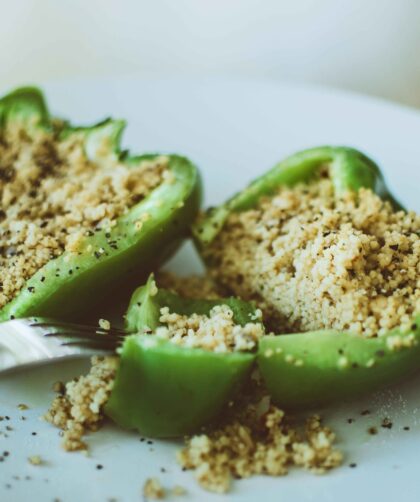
point(234, 130)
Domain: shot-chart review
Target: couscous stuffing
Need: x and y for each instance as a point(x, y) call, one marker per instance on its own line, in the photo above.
point(216, 332)
point(312, 260)
point(52, 195)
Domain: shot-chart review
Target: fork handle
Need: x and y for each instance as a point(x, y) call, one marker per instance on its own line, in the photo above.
point(22, 346)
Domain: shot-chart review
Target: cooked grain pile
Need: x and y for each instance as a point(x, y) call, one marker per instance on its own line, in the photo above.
point(78, 408)
point(216, 332)
point(52, 195)
point(313, 261)
point(257, 439)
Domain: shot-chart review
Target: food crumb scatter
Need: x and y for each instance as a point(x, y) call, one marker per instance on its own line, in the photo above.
point(79, 409)
point(217, 332)
point(53, 196)
point(153, 490)
point(35, 460)
point(104, 324)
point(178, 491)
point(255, 442)
point(313, 260)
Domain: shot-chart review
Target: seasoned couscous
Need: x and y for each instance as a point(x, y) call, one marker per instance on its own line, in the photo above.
point(52, 195)
point(217, 332)
point(78, 408)
point(258, 440)
point(312, 260)
point(255, 436)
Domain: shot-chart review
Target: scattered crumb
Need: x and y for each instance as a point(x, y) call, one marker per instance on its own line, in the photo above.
point(59, 387)
point(258, 441)
point(178, 491)
point(35, 460)
point(79, 409)
point(23, 407)
point(386, 423)
point(104, 324)
point(372, 431)
point(153, 489)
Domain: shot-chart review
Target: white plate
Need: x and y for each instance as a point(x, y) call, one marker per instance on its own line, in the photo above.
point(234, 130)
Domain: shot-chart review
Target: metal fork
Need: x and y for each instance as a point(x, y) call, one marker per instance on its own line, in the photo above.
point(33, 341)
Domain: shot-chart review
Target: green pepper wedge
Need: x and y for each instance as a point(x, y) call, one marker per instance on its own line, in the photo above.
point(165, 390)
point(314, 368)
point(109, 263)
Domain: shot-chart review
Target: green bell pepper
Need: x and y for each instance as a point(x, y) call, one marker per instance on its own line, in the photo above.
point(313, 368)
point(165, 390)
point(349, 168)
point(109, 263)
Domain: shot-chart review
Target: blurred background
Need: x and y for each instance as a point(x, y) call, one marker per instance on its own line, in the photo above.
point(369, 46)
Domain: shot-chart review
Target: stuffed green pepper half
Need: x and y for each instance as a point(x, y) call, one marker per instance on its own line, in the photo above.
point(333, 261)
point(81, 220)
point(185, 361)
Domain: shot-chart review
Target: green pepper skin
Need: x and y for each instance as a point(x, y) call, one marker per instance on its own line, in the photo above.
point(144, 309)
point(310, 369)
point(350, 170)
point(68, 286)
point(165, 390)
point(320, 376)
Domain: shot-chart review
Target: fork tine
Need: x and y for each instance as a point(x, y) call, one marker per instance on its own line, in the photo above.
point(92, 341)
point(78, 327)
point(110, 345)
point(86, 335)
